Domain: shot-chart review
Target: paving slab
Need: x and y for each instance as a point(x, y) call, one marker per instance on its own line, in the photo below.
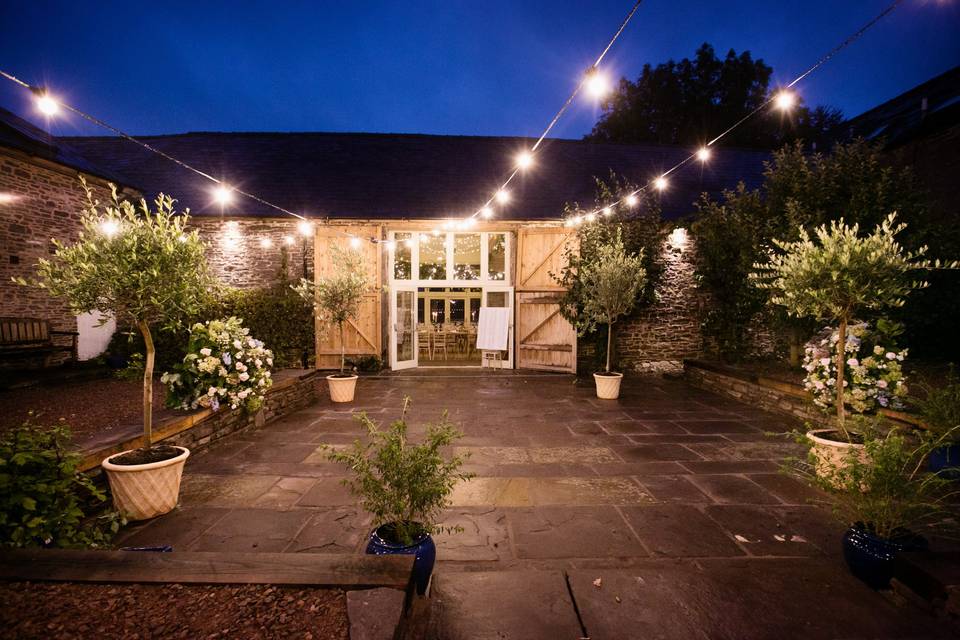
point(680, 531)
point(572, 532)
point(762, 532)
point(263, 530)
point(753, 600)
point(503, 605)
point(224, 490)
point(733, 489)
point(478, 534)
point(673, 488)
point(332, 530)
point(178, 528)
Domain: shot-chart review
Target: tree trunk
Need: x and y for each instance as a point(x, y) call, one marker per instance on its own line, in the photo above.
point(147, 385)
point(343, 350)
point(841, 365)
point(609, 341)
point(793, 338)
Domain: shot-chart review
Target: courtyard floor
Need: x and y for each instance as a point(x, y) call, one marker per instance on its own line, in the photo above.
point(660, 515)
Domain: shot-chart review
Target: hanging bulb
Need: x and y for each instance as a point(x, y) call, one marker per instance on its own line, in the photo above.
point(597, 84)
point(607, 211)
point(503, 196)
point(590, 217)
point(660, 183)
point(524, 160)
point(223, 195)
point(46, 104)
point(785, 100)
point(632, 200)
point(486, 212)
point(110, 228)
point(703, 154)
point(305, 227)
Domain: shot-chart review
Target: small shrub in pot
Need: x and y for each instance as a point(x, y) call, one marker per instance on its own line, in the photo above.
point(405, 486)
point(940, 410)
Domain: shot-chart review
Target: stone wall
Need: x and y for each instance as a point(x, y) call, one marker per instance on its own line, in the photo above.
point(237, 254)
point(658, 337)
point(47, 202)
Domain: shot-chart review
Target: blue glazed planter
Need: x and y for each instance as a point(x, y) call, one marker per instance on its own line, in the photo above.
point(423, 550)
point(870, 558)
point(945, 461)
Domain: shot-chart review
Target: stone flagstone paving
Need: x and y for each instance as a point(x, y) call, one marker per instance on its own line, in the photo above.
point(669, 496)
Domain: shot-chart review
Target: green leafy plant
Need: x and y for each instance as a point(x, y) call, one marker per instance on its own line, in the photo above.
point(885, 487)
point(836, 273)
point(403, 485)
point(611, 285)
point(44, 499)
point(140, 265)
point(275, 314)
point(940, 407)
point(336, 298)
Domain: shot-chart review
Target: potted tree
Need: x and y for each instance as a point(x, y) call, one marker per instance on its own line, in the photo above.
point(833, 275)
point(143, 267)
point(336, 300)
point(611, 285)
point(404, 486)
point(885, 497)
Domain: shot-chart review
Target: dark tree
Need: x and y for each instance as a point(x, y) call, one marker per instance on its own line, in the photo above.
point(692, 101)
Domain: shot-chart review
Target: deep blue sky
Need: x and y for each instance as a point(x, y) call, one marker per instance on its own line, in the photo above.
point(491, 67)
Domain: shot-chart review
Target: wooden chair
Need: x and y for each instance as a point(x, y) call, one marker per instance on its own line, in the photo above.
point(425, 343)
point(440, 343)
point(451, 340)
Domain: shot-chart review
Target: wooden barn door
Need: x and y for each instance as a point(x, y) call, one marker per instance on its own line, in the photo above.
point(362, 335)
point(545, 340)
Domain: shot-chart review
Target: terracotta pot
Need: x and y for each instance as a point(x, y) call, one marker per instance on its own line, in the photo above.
point(143, 491)
point(831, 454)
point(342, 389)
point(608, 385)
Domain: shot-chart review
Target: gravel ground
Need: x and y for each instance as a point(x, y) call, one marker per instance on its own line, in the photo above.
point(89, 407)
point(54, 611)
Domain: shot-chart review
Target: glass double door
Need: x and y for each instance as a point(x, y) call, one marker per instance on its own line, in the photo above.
point(403, 323)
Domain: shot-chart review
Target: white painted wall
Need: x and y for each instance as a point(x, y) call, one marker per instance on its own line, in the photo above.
point(93, 340)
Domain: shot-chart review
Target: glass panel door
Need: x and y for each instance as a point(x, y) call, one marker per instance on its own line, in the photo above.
point(502, 297)
point(403, 324)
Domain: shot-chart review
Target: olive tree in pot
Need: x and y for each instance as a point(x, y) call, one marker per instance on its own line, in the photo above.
point(142, 266)
point(833, 275)
point(611, 285)
point(886, 497)
point(336, 300)
point(405, 487)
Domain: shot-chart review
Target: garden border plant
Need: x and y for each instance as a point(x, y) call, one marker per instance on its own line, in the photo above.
point(143, 267)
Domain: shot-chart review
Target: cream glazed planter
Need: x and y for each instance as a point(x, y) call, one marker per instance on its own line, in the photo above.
point(342, 389)
point(832, 454)
point(143, 491)
point(608, 385)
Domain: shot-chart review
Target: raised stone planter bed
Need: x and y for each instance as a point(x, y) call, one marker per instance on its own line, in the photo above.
point(379, 589)
point(765, 393)
point(292, 389)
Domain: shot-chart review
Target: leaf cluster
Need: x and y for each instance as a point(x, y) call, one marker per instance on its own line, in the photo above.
point(611, 284)
point(337, 297)
point(402, 484)
point(45, 501)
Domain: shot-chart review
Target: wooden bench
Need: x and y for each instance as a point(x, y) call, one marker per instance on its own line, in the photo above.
point(33, 336)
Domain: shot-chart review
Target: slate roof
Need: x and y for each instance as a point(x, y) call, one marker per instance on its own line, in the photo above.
point(397, 176)
point(17, 133)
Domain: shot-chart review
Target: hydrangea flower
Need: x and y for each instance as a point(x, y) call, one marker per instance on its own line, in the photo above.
point(224, 365)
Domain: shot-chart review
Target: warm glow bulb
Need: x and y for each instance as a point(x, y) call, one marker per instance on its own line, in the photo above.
point(524, 160)
point(288, 240)
point(590, 217)
point(486, 212)
point(632, 200)
point(305, 227)
point(223, 195)
point(47, 105)
point(598, 85)
point(660, 183)
point(110, 228)
point(607, 211)
point(785, 100)
point(503, 196)
point(578, 220)
point(266, 243)
point(703, 154)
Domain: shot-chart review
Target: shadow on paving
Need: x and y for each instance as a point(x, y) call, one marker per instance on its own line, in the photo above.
point(670, 496)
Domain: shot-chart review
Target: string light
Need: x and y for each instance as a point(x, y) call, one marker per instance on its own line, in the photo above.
point(590, 217)
point(266, 243)
point(703, 154)
point(503, 196)
point(46, 104)
point(223, 195)
point(631, 200)
point(597, 83)
point(109, 228)
point(288, 240)
point(785, 100)
point(660, 183)
point(524, 160)
point(305, 228)
point(607, 211)
point(486, 212)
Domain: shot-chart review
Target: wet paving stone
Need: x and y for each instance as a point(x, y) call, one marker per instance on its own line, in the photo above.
point(572, 532)
point(679, 531)
point(732, 489)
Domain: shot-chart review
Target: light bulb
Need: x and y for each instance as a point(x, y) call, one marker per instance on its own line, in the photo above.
point(590, 217)
point(598, 85)
point(632, 200)
point(486, 212)
point(305, 227)
point(524, 160)
point(660, 183)
point(703, 154)
point(266, 243)
point(110, 228)
point(223, 195)
point(47, 105)
point(785, 100)
point(503, 196)
point(607, 211)
point(288, 240)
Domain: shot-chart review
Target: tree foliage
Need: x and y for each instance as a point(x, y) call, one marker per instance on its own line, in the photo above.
point(403, 485)
point(336, 298)
point(836, 273)
point(139, 264)
point(691, 101)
